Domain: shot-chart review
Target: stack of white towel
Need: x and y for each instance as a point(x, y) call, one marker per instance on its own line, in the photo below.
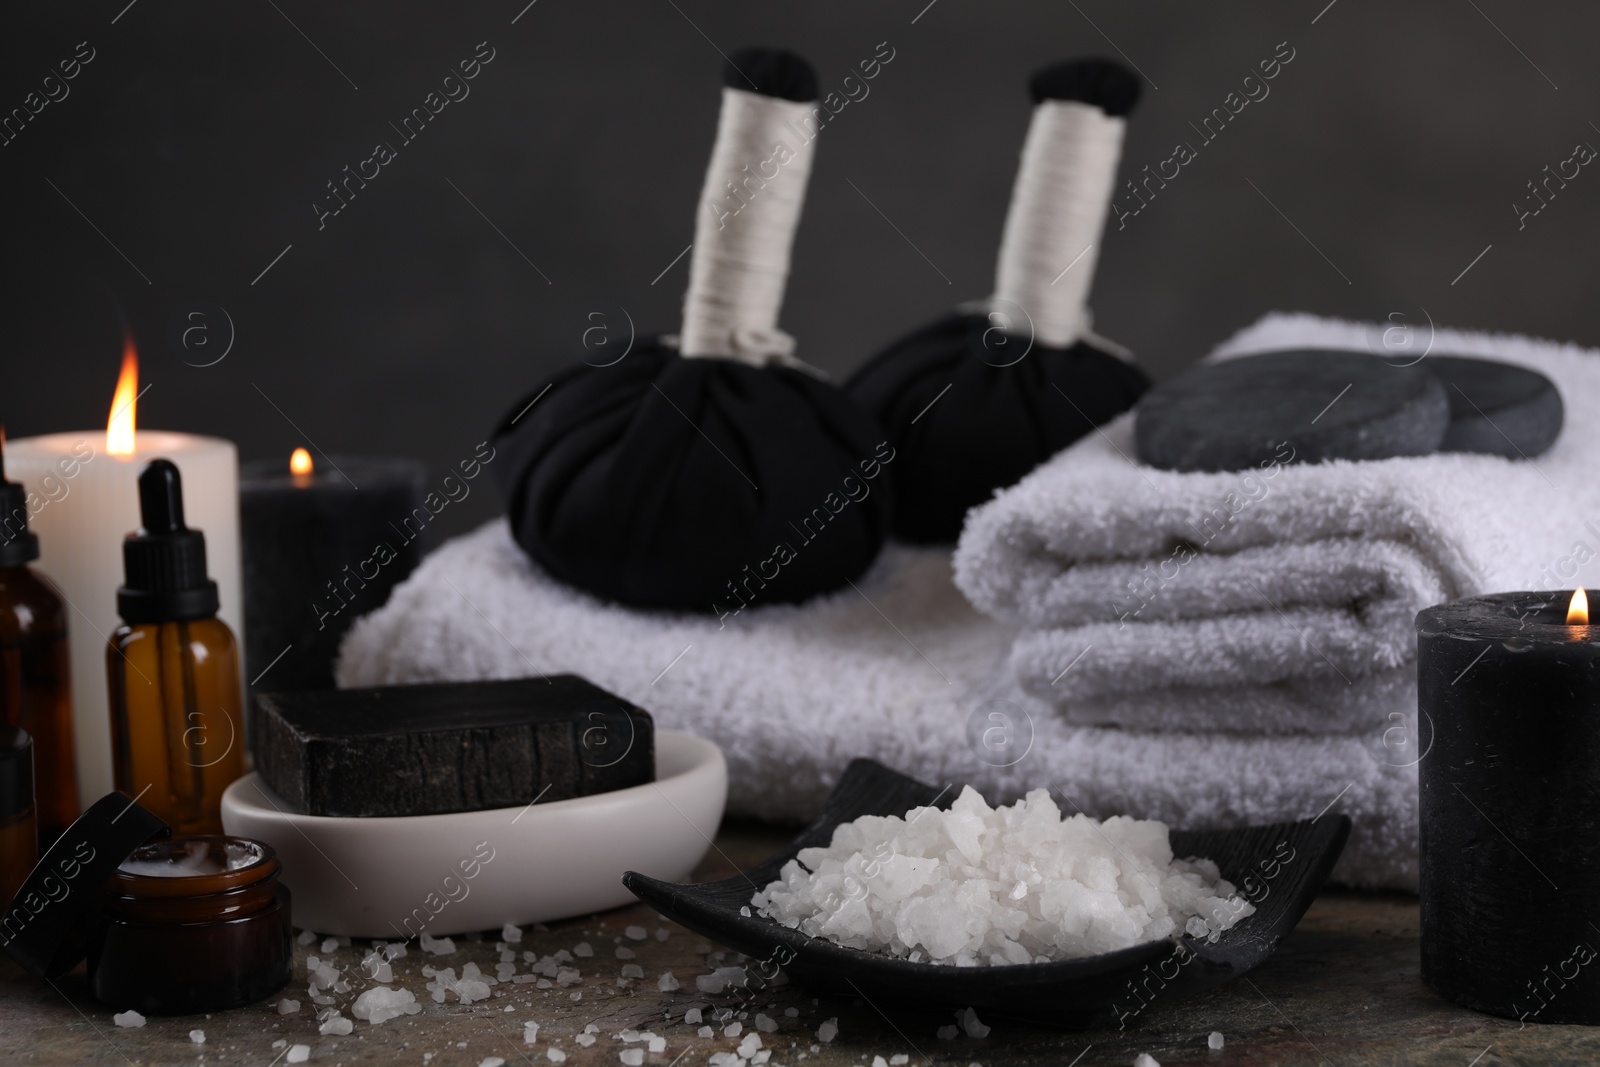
point(1203, 708)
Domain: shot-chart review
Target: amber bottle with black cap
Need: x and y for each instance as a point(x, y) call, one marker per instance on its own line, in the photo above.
point(177, 730)
point(35, 668)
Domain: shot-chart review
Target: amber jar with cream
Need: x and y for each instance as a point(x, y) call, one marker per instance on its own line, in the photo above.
point(190, 925)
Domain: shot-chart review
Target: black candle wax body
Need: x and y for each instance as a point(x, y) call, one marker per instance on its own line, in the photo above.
point(1510, 804)
point(320, 550)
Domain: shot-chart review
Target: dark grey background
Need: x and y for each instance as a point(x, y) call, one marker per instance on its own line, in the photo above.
point(201, 134)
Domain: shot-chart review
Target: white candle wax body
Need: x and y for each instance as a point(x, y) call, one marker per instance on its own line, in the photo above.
point(82, 502)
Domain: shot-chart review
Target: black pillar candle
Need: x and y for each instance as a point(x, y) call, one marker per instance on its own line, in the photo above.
point(321, 548)
point(1510, 802)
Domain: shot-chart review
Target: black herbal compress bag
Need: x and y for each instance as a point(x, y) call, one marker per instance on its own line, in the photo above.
point(979, 398)
point(713, 465)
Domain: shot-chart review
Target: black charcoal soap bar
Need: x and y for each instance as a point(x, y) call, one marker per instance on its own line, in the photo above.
point(452, 746)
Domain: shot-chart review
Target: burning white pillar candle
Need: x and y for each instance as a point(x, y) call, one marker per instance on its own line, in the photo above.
point(83, 500)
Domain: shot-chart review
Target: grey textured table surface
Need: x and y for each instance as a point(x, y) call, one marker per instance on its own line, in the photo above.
point(1343, 989)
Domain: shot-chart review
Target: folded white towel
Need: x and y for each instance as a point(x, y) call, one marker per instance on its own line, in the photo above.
point(1296, 572)
point(903, 671)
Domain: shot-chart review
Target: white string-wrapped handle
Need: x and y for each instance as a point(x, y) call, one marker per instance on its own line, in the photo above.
point(1058, 211)
point(744, 231)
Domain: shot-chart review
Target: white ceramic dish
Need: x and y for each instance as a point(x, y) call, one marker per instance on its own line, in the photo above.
point(450, 874)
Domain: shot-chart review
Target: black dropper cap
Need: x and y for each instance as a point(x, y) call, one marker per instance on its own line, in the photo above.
point(16, 773)
point(18, 544)
point(164, 561)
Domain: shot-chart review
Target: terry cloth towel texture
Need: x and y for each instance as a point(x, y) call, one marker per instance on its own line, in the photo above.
point(1298, 582)
point(901, 669)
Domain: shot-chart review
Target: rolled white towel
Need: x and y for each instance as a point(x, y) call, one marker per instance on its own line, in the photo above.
point(1296, 571)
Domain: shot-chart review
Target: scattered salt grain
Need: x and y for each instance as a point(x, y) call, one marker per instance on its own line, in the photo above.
point(1144, 1059)
point(633, 1057)
point(530, 1033)
point(969, 1022)
point(380, 1004)
point(306, 937)
point(710, 983)
point(705, 1031)
point(337, 1025)
point(899, 1058)
point(791, 1013)
point(948, 1033)
point(692, 1017)
point(298, 1054)
point(636, 933)
point(438, 946)
point(128, 1018)
point(625, 953)
point(583, 948)
point(657, 1043)
point(492, 1061)
point(197, 1036)
point(287, 1006)
point(566, 976)
point(828, 1030)
point(668, 982)
point(1215, 1040)
point(981, 886)
point(585, 1040)
point(766, 1024)
point(632, 970)
point(556, 1055)
point(329, 945)
point(510, 934)
point(733, 1030)
point(879, 1061)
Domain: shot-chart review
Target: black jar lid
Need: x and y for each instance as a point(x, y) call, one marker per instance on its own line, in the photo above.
point(16, 772)
point(46, 926)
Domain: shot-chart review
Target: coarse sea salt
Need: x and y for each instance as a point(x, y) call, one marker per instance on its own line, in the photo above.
point(981, 886)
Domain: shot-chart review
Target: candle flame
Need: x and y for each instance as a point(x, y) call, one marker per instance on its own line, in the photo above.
point(119, 428)
point(1578, 610)
point(300, 462)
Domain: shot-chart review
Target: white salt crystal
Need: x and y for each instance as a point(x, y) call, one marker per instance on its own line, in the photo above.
point(733, 1030)
point(633, 1057)
point(563, 956)
point(585, 1039)
point(504, 971)
point(1144, 1059)
point(471, 989)
point(287, 1006)
point(530, 1033)
point(982, 886)
point(329, 944)
point(657, 1043)
point(438, 946)
point(899, 1058)
point(668, 982)
point(583, 948)
point(492, 1061)
point(556, 1055)
point(306, 937)
point(706, 1031)
point(766, 1024)
point(710, 983)
point(574, 997)
point(791, 1013)
point(948, 1033)
point(692, 1017)
point(625, 953)
point(337, 1025)
point(381, 1003)
point(879, 1061)
point(279, 1043)
point(197, 1036)
point(312, 963)
point(1215, 1040)
point(636, 933)
point(128, 1018)
point(566, 976)
point(632, 970)
point(298, 1054)
point(828, 1030)
point(969, 1022)
point(511, 935)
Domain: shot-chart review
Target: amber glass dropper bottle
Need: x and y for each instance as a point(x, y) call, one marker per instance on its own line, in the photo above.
point(35, 665)
point(177, 733)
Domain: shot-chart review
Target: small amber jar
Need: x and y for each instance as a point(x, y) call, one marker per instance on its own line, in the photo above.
point(191, 925)
point(19, 837)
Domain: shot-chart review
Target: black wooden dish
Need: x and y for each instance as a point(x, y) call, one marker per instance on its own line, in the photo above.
point(1279, 868)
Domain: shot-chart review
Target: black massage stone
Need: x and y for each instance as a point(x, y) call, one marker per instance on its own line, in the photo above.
point(453, 746)
point(1241, 413)
point(1498, 408)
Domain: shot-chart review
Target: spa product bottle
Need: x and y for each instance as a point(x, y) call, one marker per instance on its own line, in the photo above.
point(35, 669)
point(177, 731)
point(19, 838)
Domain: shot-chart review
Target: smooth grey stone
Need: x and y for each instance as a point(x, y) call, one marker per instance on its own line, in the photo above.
point(1298, 406)
point(1498, 408)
